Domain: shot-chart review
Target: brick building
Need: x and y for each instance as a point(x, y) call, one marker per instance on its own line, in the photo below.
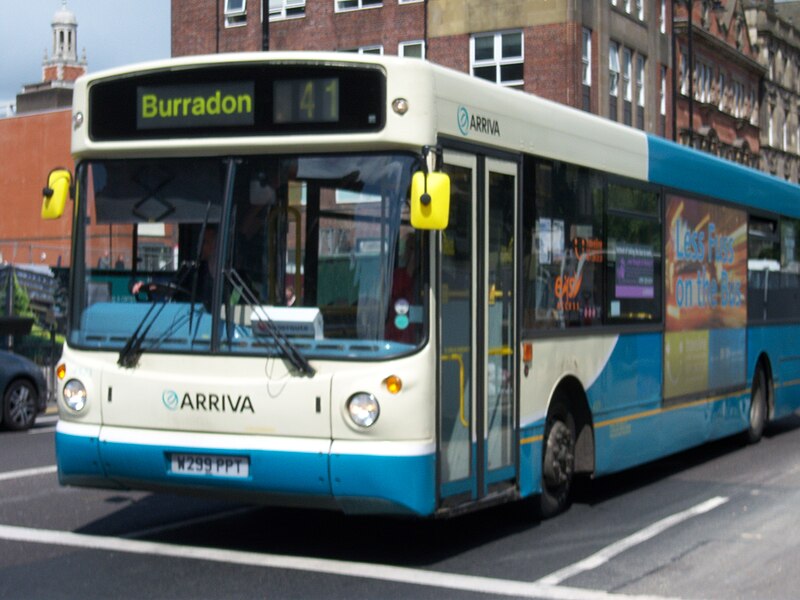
point(558, 49)
point(34, 141)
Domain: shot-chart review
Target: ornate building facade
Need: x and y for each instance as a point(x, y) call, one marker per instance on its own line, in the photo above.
point(778, 42)
point(718, 78)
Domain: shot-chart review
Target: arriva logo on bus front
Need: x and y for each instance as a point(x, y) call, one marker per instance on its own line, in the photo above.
point(206, 402)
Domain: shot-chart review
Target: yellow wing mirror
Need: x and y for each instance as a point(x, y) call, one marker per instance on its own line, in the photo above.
point(56, 193)
point(430, 200)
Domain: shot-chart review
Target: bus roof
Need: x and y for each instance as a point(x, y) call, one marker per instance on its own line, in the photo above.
point(444, 103)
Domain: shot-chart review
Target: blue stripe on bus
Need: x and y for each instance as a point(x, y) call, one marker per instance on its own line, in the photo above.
point(779, 343)
point(701, 173)
point(407, 482)
point(357, 483)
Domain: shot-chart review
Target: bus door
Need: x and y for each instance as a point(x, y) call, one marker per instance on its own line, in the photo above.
point(477, 408)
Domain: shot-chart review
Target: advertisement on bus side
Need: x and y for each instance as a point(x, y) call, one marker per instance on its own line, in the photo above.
point(706, 287)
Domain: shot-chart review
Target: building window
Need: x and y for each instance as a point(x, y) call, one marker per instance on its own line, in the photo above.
point(797, 137)
point(721, 91)
point(785, 135)
point(613, 79)
point(343, 5)
point(586, 68)
point(702, 82)
point(408, 1)
point(586, 57)
point(662, 17)
point(684, 73)
point(498, 57)
point(640, 63)
point(235, 13)
point(286, 9)
point(640, 9)
point(365, 50)
point(738, 99)
point(771, 129)
point(627, 89)
point(414, 49)
point(627, 5)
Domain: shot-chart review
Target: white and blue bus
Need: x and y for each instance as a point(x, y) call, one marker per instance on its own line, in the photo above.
point(376, 285)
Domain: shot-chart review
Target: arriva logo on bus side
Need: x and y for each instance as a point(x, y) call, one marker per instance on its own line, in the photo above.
point(206, 402)
point(475, 123)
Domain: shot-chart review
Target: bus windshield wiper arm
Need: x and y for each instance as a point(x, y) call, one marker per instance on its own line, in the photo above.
point(287, 348)
point(132, 350)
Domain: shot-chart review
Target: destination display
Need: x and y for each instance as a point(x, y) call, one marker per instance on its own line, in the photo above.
point(238, 100)
point(306, 100)
point(195, 105)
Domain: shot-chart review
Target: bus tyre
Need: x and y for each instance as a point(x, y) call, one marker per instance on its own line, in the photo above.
point(758, 408)
point(558, 462)
point(19, 405)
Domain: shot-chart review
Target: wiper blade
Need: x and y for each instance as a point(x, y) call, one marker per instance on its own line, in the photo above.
point(132, 350)
point(287, 348)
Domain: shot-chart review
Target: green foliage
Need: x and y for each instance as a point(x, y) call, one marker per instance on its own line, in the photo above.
point(22, 304)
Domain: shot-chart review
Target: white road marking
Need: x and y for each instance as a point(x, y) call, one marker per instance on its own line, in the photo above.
point(547, 588)
point(28, 473)
point(603, 556)
point(453, 581)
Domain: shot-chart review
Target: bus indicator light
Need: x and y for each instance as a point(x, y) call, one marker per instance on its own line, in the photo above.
point(393, 384)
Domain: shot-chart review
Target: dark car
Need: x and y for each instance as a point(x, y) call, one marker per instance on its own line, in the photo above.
point(24, 391)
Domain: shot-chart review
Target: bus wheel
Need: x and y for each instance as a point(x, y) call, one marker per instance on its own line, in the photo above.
point(758, 408)
point(558, 462)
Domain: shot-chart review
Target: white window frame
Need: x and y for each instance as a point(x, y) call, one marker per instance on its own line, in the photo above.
point(613, 69)
point(401, 47)
point(497, 61)
point(280, 10)
point(586, 56)
point(662, 105)
point(235, 16)
point(359, 5)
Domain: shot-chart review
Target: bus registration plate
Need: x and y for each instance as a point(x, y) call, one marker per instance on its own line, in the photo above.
point(209, 464)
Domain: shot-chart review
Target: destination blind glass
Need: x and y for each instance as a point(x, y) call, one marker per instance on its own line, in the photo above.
point(238, 100)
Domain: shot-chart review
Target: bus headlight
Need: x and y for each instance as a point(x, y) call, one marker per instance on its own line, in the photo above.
point(363, 409)
point(74, 395)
